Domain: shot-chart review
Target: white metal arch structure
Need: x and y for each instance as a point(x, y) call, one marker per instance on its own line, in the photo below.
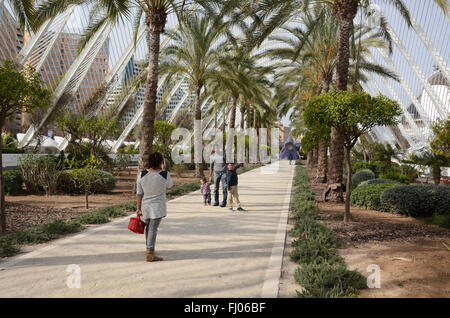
point(436, 100)
point(73, 77)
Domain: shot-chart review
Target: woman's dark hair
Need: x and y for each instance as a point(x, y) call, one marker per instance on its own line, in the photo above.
point(155, 160)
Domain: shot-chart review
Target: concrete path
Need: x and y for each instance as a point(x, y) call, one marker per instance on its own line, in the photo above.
point(208, 251)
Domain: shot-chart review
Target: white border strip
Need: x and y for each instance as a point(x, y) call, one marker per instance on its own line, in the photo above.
point(273, 272)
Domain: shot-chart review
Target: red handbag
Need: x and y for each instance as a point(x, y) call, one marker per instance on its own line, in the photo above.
point(137, 225)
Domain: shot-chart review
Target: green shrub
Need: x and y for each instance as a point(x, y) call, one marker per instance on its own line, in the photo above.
point(184, 188)
point(314, 246)
point(323, 272)
point(417, 200)
point(323, 280)
point(410, 172)
point(363, 165)
point(362, 175)
point(104, 182)
point(368, 196)
point(376, 167)
point(13, 182)
point(439, 220)
point(378, 181)
point(44, 233)
point(397, 176)
point(7, 248)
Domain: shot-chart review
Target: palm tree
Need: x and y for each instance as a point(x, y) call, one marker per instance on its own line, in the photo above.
point(432, 160)
point(269, 14)
point(193, 55)
point(316, 45)
point(154, 14)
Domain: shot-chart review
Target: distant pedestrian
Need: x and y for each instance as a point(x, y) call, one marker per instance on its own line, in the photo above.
point(206, 191)
point(291, 157)
point(151, 199)
point(232, 185)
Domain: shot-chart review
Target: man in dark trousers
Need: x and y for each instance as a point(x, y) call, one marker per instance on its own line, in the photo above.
point(218, 168)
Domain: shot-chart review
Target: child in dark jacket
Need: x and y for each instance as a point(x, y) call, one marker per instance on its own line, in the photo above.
point(232, 185)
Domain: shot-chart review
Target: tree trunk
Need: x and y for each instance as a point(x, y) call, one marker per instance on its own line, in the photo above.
point(198, 134)
point(348, 190)
point(233, 113)
point(86, 198)
point(436, 174)
point(309, 159)
point(322, 166)
point(315, 157)
point(335, 174)
point(156, 20)
point(2, 186)
point(345, 11)
point(243, 117)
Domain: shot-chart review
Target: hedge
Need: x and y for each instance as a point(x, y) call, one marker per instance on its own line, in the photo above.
point(57, 228)
point(13, 182)
point(417, 200)
point(378, 181)
point(362, 175)
point(397, 176)
point(368, 196)
point(322, 272)
point(104, 182)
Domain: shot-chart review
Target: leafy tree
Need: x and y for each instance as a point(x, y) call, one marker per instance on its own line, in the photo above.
point(86, 177)
point(440, 145)
point(353, 114)
point(19, 91)
point(193, 54)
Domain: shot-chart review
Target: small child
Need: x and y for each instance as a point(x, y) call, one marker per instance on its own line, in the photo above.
point(232, 185)
point(206, 191)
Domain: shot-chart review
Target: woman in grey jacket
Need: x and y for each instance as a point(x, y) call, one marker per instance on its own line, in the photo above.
point(151, 199)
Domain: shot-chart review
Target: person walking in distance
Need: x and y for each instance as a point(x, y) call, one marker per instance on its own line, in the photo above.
point(151, 199)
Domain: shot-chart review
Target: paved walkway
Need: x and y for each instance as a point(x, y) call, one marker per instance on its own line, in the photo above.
point(208, 251)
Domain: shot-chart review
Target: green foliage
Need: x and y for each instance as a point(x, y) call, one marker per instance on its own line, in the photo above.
point(323, 280)
point(417, 200)
point(122, 161)
point(78, 152)
point(376, 167)
point(385, 153)
point(41, 172)
point(323, 272)
point(439, 220)
point(100, 181)
point(368, 196)
point(378, 181)
point(163, 142)
point(362, 175)
point(128, 149)
point(44, 233)
point(13, 182)
point(7, 248)
point(9, 144)
point(102, 215)
point(310, 141)
point(397, 176)
point(353, 113)
point(440, 144)
point(57, 228)
point(20, 91)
